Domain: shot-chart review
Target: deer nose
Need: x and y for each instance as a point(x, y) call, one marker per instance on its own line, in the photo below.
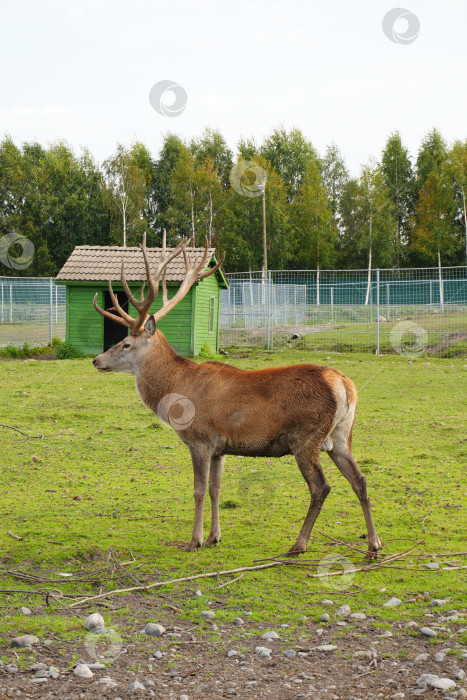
point(94, 361)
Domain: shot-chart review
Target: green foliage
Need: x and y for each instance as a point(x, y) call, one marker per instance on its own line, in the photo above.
point(368, 225)
point(66, 351)
point(400, 182)
point(230, 503)
point(206, 351)
point(316, 214)
point(127, 173)
point(11, 352)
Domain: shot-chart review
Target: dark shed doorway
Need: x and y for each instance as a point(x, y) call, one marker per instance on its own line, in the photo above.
point(114, 332)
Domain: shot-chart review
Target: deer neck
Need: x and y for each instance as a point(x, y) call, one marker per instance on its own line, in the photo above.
point(159, 372)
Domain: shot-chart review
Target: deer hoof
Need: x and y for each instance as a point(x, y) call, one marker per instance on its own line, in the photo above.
point(371, 554)
point(192, 547)
point(295, 551)
point(211, 542)
point(373, 550)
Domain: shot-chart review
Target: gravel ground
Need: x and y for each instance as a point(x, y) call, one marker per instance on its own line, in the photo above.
point(363, 661)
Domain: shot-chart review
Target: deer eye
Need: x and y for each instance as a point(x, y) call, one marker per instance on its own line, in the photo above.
point(127, 345)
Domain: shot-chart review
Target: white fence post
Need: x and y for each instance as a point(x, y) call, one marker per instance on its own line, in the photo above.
point(269, 309)
point(51, 310)
point(377, 311)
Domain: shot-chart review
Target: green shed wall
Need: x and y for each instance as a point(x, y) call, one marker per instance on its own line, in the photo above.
point(206, 289)
point(85, 327)
point(177, 325)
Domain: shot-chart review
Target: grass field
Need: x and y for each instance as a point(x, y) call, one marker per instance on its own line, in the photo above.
point(108, 474)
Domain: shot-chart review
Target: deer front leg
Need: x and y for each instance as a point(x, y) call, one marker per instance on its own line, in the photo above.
point(215, 478)
point(201, 462)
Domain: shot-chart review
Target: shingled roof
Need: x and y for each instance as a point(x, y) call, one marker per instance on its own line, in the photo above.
point(95, 263)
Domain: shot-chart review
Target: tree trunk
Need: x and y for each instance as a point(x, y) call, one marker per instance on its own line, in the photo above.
point(210, 217)
point(193, 234)
point(367, 298)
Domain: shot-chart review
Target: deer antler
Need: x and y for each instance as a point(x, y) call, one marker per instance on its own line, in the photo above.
point(192, 275)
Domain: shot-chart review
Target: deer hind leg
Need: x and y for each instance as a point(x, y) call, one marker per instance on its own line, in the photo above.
point(341, 455)
point(201, 462)
point(215, 478)
point(310, 467)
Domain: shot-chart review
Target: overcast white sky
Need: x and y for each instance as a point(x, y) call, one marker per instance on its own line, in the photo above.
point(82, 71)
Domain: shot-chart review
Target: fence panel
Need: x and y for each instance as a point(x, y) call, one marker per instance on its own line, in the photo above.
point(32, 310)
point(403, 310)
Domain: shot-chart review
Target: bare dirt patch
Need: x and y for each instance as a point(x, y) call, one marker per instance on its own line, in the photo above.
point(194, 658)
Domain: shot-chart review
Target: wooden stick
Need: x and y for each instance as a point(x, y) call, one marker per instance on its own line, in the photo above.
point(365, 567)
point(121, 568)
point(20, 590)
point(212, 574)
point(177, 580)
point(229, 582)
point(12, 534)
point(34, 437)
point(428, 556)
point(357, 549)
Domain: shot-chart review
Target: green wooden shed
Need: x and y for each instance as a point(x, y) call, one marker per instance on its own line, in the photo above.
point(191, 324)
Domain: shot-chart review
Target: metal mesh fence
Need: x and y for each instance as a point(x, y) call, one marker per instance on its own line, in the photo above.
point(32, 310)
point(404, 310)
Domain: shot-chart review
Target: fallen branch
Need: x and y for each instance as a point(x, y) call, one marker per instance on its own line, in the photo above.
point(11, 427)
point(122, 568)
point(158, 584)
point(229, 582)
point(429, 556)
point(20, 590)
point(344, 544)
point(12, 534)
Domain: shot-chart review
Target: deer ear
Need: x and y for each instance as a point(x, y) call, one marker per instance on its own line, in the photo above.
point(150, 326)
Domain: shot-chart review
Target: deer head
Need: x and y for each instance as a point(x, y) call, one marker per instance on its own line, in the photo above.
point(128, 355)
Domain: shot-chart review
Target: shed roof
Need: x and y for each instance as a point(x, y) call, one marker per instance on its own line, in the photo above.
point(95, 263)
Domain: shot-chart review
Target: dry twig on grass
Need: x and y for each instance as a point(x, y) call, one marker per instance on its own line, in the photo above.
point(227, 583)
point(17, 430)
point(158, 584)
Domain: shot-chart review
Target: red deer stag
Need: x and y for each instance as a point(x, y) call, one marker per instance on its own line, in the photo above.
point(222, 410)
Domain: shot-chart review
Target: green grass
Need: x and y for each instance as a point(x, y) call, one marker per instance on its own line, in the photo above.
point(107, 474)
